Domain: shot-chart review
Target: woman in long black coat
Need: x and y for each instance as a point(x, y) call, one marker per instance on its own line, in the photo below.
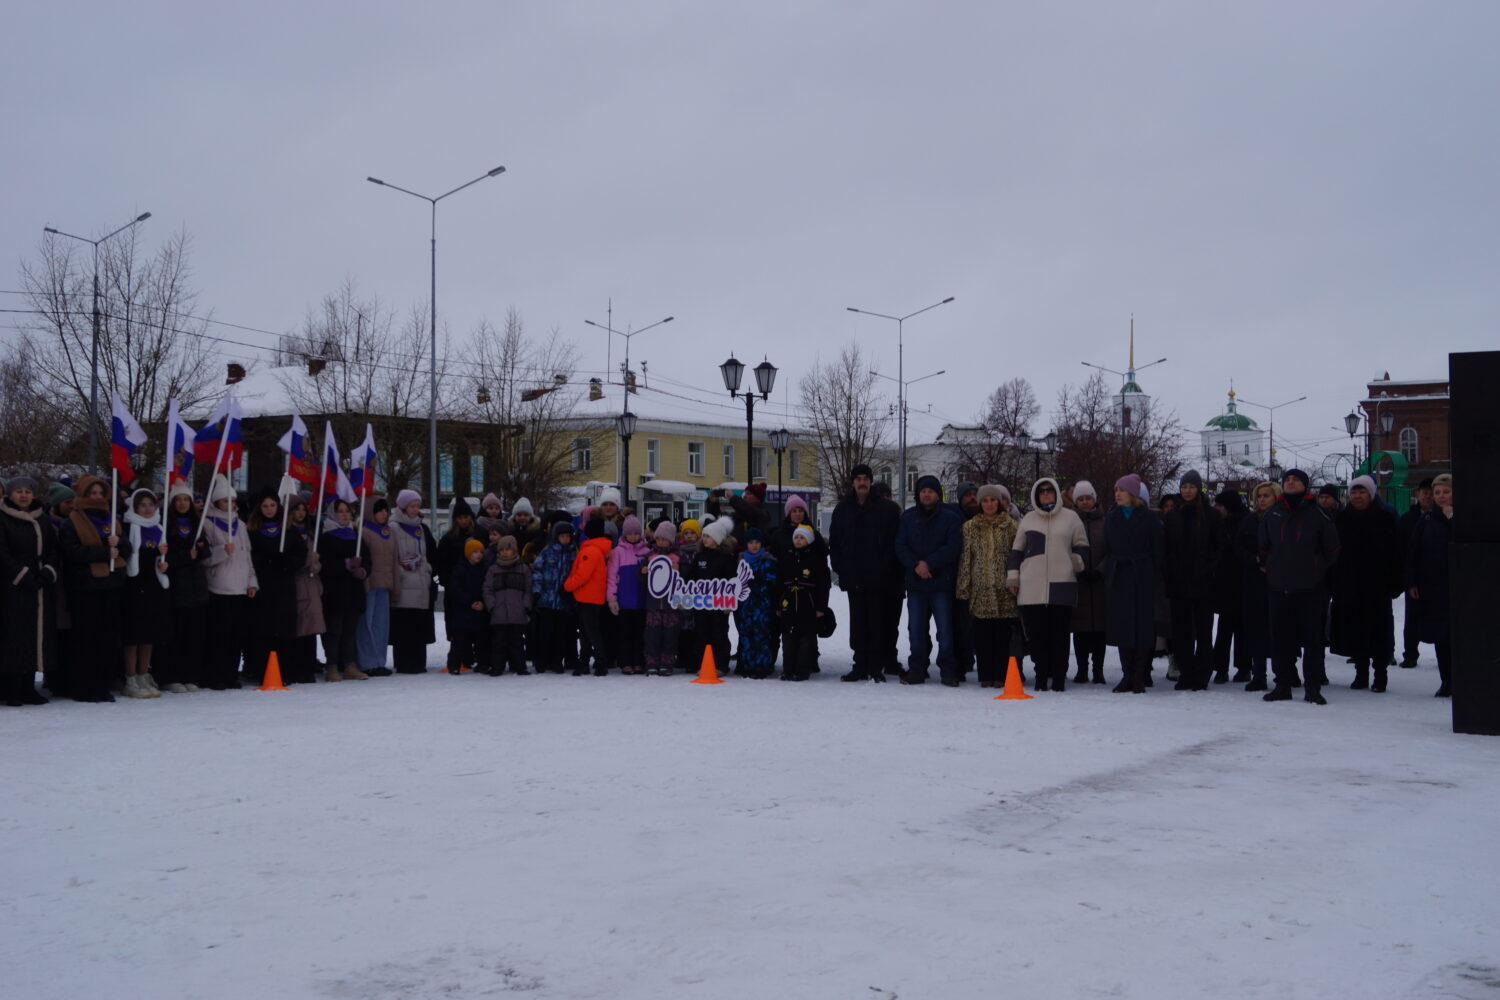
point(1134, 556)
point(1365, 580)
point(93, 566)
point(179, 666)
point(273, 610)
point(1427, 575)
point(344, 575)
point(1255, 596)
point(28, 569)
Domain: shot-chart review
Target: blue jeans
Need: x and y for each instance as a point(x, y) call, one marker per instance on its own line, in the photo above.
point(922, 607)
point(374, 630)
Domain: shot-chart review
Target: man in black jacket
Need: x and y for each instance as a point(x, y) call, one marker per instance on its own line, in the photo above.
point(1404, 528)
point(1298, 545)
point(862, 547)
point(1194, 542)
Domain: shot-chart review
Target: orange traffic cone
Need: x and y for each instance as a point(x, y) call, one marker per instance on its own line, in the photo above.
point(708, 673)
point(1014, 689)
point(272, 680)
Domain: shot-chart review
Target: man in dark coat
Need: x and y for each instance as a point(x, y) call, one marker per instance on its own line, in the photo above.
point(862, 549)
point(928, 545)
point(1298, 546)
point(1410, 644)
point(1229, 636)
point(1365, 581)
point(1426, 573)
point(1194, 535)
point(748, 511)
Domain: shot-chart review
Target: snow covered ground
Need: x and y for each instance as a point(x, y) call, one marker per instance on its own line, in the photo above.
point(637, 837)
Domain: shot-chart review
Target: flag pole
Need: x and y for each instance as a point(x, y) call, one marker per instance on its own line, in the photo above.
point(322, 483)
point(209, 501)
point(286, 508)
point(114, 500)
point(359, 525)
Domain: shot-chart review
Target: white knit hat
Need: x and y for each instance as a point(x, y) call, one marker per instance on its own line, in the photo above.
point(1084, 488)
point(523, 506)
point(609, 495)
point(1368, 482)
point(719, 530)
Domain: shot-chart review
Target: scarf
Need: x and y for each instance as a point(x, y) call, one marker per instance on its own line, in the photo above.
point(1127, 510)
point(144, 532)
point(184, 526)
point(89, 523)
point(271, 529)
point(333, 529)
point(382, 530)
point(500, 560)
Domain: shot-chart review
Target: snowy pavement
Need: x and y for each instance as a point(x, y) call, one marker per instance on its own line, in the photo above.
point(639, 837)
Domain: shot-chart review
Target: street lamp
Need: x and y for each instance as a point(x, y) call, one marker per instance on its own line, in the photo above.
point(903, 395)
point(432, 469)
point(1351, 424)
point(94, 346)
point(901, 373)
point(625, 424)
point(608, 327)
point(1272, 466)
point(765, 379)
point(779, 440)
point(1045, 445)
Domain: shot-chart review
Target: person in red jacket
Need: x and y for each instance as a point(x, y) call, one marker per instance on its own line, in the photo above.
point(587, 582)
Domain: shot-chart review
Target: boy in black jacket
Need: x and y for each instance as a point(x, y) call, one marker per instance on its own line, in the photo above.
point(805, 583)
point(467, 620)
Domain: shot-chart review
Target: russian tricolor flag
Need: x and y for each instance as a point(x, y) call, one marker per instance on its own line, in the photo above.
point(125, 436)
point(179, 447)
point(222, 429)
point(362, 464)
point(336, 483)
point(302, 459)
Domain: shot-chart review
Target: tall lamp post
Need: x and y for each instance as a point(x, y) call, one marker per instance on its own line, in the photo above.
point(607, 327)
point(765, 379)
point(1385, 420)
point(1038, 448)
point(1273, 466)
point(1351, 424)
point(94, 344)
point(432, 469)
point(779, 440)
point(625, 424)
point(902, 396)
point(901, 373)
point(1129, 379)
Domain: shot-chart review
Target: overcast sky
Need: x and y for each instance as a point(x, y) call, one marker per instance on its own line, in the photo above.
point(1296, 196)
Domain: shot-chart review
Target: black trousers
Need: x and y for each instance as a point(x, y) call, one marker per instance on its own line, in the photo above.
point(507, 648)
point(712, 628)
point(888, 627)
point(226, 639)
point(1409, 640)
point(963, 636)
point(181, 661)
point(1193, 638)
point(341, 641)
point(991, 647)
point(1089, 646)
point(800, 641)
point(591, 629)
point(463, 647)
point(1230, 633)
point(630, 631)
point(1047, 632)
point(556, 634)
point(869, 611)
point(1297, 627)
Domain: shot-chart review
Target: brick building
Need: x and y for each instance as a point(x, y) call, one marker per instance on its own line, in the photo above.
point(1418, 409)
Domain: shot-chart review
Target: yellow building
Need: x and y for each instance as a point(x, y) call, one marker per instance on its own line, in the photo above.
point(681, 449)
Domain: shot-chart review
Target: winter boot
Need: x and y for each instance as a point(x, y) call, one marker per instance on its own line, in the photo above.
point(1379, 686)
point(1256, 684)
point(134, 688)
point(1361, 677)
point(353, 673)
point(1240, 676)
point(1126, 682)
point(1314, 696)
point(1280, 692)
point(1082, 676)
point(1098, 673)
point(150, 684)
point(333, 674)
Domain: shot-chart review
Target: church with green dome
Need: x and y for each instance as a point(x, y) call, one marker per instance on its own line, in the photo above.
point(1233, 439)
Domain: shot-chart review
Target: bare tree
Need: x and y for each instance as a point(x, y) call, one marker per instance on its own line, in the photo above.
point(993, 456)
point(1091, 444)
point(31, 438)
point(516, 389)
point(358, 367)
point(849, 421)
point(151, 338)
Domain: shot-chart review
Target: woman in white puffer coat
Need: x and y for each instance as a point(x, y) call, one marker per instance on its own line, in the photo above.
point(1050, 550)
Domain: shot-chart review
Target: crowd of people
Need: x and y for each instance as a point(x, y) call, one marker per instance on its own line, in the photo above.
point(139, 594)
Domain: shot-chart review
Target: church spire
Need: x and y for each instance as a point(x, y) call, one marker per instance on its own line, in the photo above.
point(1131, 367)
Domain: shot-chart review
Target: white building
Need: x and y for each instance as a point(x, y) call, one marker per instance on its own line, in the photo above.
point(1232, 439)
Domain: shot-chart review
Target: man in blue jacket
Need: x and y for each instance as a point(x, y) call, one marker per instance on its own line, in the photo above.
point(928, 544)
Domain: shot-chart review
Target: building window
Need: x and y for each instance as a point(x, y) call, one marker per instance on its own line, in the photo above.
point(1247, 449)
point(476, 474)
point(524, 451)
point(583, 455)
point(794, 465)
point(1409, 445)
point(445, 473)
point(758, 462)
point(911, 480)
point(1223, 449)
point(728, 462)
point(653, 456)
point(695, 458)
point(239, 477)
point(885, 475)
